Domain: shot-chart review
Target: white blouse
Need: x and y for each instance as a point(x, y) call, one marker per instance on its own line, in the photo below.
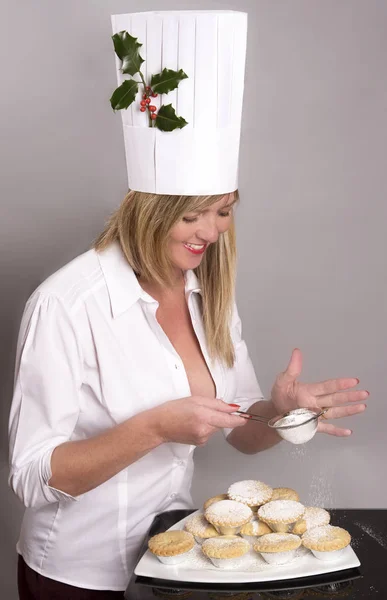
point(91, 354)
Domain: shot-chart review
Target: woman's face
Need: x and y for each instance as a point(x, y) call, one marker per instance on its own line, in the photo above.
point(191, 236)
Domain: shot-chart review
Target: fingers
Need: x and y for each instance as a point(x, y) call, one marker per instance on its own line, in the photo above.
point(342, 398)
point(332, 430)
point(220, 419)
point(294, 368)
point(330, 386)
point(339, 412)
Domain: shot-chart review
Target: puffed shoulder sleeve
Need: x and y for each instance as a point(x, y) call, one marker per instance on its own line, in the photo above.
point(247, 390)
point(45, 404)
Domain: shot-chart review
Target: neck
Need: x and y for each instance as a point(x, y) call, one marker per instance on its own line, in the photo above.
point(155, 289)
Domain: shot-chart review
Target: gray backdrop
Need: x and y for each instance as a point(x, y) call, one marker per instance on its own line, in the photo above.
point(311, 222)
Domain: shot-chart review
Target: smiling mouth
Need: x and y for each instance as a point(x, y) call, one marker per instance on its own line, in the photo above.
point(195, 248)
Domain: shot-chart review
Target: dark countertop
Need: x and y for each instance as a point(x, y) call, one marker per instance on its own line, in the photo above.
point(368, 528)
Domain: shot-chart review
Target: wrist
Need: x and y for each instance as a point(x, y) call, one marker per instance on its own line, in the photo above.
point(149, 423)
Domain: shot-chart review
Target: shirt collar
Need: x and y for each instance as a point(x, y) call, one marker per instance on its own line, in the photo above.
point(122, 284)
point(191, 282)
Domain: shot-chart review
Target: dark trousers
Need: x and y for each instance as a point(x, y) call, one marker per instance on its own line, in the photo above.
point(33, 586)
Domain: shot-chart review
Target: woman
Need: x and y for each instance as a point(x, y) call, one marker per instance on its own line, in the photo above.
point(123, 368)
point(131, 355)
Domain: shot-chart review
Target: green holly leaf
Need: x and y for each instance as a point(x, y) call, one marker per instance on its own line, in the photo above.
point(167, 80)
point(124, 95)
point(126, 48)
point(167, 119)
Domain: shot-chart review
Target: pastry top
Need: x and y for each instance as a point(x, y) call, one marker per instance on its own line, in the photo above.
point(277, 542)
point(199, 526)
point(225, 546)
point(250, 492)
point(255, 527)
point(312, 517)
point(284, 493)
point(228, 512)
point(281, 511)
point(326, 538)
point(213, 500)
point(171, 543)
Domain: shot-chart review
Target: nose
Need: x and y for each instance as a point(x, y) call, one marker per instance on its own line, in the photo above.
point(208, 231)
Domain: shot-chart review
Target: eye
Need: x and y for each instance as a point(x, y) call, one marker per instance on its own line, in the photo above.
point(224, 214)
point(189, 219)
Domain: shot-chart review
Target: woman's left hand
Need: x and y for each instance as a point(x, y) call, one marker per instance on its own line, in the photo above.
point(289, 393)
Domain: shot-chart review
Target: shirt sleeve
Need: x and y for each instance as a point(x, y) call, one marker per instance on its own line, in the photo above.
point(247, 387)
point(45, 404)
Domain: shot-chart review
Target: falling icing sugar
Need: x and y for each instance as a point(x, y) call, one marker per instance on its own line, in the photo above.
point(320, 490)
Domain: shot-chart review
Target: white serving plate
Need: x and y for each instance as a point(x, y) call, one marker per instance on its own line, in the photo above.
point(197, 568)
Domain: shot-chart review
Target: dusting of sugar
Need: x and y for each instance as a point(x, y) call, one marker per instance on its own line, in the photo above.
point(315, 517)
point(375, 536)
point(229, 512)
point(198, 525)
point(281, 510)
point(325, 533)
point(250, 491)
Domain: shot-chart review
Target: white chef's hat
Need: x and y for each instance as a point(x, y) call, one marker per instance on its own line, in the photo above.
point(210, 47)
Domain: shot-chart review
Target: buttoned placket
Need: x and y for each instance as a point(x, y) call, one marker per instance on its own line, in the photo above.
point(177, 369)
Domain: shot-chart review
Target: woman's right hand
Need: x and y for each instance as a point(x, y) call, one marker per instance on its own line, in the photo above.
point(193, 420)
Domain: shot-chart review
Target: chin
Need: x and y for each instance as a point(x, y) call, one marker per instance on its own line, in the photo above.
point(191, 263)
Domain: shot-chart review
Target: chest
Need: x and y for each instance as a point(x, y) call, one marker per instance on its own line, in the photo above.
point(175, 320)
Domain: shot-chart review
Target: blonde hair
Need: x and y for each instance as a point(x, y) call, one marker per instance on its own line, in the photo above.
point(142, 224)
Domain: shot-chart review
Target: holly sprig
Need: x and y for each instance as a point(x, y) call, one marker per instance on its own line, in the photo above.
point(127, 49)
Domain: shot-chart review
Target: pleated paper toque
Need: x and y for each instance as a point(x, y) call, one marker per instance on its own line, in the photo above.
point(202, 157)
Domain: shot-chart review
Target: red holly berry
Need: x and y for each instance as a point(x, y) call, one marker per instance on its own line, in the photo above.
point(144, 96)
point(154, 95)
point(148, 101)
point(153, 116)
point(143, 103)
point(152, 108)
point(143, 109)
point(148, 89)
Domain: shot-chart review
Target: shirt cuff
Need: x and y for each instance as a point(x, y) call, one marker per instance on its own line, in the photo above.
point(53, 494)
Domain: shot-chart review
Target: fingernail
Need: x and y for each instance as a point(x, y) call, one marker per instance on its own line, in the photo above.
point(358, 380)
point(235, 405)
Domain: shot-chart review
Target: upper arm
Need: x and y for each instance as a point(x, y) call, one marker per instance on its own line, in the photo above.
point(46, 401)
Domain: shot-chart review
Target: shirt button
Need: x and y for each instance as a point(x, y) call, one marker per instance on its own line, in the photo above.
point(181, 463)
point(176, 366)
point(173, 495)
